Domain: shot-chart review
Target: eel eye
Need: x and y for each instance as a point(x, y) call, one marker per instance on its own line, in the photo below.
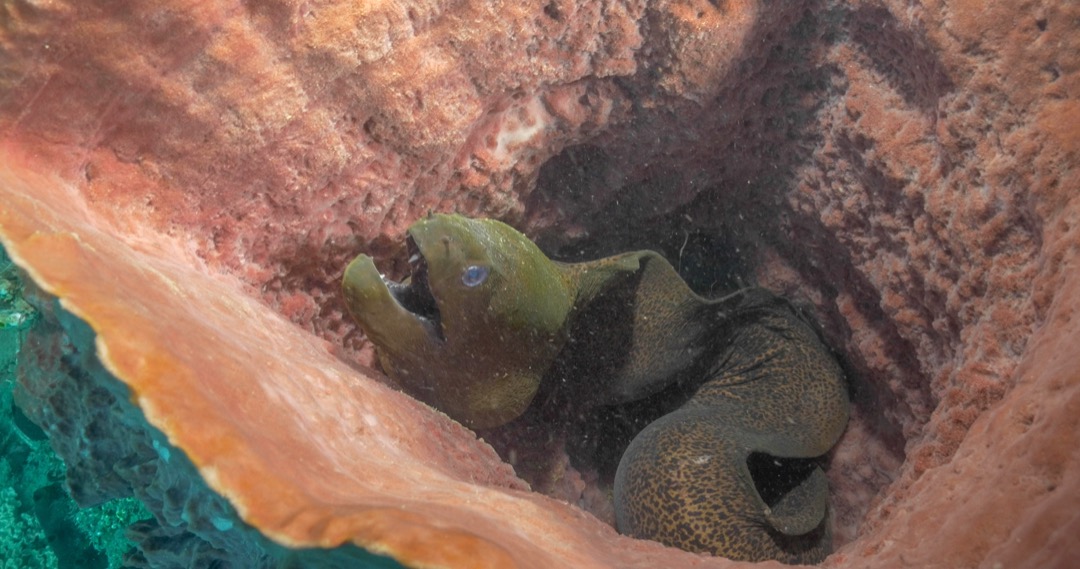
point(474, 275)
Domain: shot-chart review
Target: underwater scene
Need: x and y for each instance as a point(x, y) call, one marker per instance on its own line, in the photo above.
point(552, 283)
point(42, 525)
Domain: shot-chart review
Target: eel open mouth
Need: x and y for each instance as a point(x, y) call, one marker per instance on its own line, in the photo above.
point(414, 293)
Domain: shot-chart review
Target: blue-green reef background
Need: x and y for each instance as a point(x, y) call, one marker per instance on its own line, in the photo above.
point(41, 527)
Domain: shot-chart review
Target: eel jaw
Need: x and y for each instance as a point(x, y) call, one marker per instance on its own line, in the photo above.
point(414, 292)
point(396, 317)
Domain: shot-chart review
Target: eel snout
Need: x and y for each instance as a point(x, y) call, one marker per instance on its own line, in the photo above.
point(383, 306)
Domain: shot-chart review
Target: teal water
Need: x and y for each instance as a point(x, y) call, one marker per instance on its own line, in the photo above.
point(41, 527)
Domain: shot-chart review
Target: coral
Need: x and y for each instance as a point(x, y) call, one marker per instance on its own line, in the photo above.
point(16, 315)
point(23, 544)
point(44, 527)
point(105, 527)
point(119, 468)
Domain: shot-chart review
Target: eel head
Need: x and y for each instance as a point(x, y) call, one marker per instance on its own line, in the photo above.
point(475, 326)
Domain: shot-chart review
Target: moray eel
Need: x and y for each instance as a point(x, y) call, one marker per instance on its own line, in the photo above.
point(486, 321)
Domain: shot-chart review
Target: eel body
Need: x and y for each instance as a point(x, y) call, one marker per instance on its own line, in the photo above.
point(486, 321)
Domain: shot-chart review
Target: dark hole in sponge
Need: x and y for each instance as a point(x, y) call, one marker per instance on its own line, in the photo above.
point(600, 438)
point(774, 476)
